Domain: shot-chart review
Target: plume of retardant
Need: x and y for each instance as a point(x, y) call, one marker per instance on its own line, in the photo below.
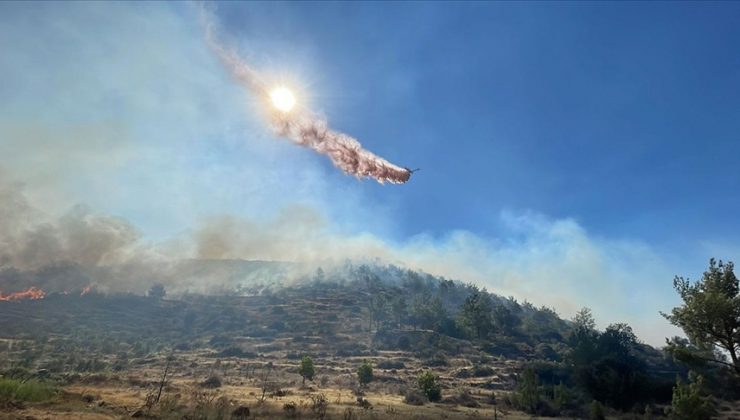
point(306, 128)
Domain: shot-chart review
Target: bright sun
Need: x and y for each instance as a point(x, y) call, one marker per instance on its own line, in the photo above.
point(283, 99)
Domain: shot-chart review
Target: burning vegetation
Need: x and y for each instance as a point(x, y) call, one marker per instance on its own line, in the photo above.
point(35, 293)
point(32, 293)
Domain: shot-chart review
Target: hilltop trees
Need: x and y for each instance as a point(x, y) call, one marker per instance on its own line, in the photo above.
point(378, 307)
point(156, 292)
point(476, 313)
point(399, 310)
point(583, 339)
point(710, 316)
point(584, 320)
point(505, 320)
point(428, 312)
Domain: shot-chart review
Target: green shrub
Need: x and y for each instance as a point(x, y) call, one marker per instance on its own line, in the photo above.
point(562, 397)
point(427, 382)
point(482, 371)
point(306, 370)
point(596, 411)
point(31, 391)
point(690, 401)
point(526, 397)
point(365, 373)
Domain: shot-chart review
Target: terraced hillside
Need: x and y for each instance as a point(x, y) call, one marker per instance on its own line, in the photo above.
point(115, 347)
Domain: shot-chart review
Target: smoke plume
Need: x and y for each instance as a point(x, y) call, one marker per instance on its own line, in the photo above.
point(306, 128)
point(29, 240)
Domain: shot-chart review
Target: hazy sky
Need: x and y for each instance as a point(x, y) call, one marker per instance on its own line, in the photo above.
point(572, 153)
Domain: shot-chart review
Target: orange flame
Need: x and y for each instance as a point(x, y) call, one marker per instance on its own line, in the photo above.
point(32, 293)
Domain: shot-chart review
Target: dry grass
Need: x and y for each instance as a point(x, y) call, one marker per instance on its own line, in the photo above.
point(116, 400)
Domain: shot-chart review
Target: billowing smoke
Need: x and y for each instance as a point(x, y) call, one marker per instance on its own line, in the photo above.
point(38, 250)
point(305, 127)
point(81, 249)
point(31, 240)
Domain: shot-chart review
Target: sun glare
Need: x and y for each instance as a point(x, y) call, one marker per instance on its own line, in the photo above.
point(282, 99)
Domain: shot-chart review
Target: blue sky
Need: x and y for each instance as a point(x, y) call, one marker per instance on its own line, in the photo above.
point(568, 150)
point(624, 116)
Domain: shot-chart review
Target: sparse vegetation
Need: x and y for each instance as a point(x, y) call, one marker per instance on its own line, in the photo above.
point(319, 404)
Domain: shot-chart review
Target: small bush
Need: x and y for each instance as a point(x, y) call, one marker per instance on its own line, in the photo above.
point(240, 413)
point(235, 351)
point(414, 397)
point(319, 404)
point(691, 401)
point(290, 409)
point(435, 361)
point(221, 340)
point(391, 364)
point(464, 398)
point(212, 382)
point(306, 370)
point(427, 382)
point(365, 404)
point(492, 399)
point(526, 397)
point(404, 343)
point(365, 373)
point(596, 411)
point(546, 352)
point(482, 371)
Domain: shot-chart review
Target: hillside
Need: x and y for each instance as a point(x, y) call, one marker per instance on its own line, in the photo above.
point(115, 346)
